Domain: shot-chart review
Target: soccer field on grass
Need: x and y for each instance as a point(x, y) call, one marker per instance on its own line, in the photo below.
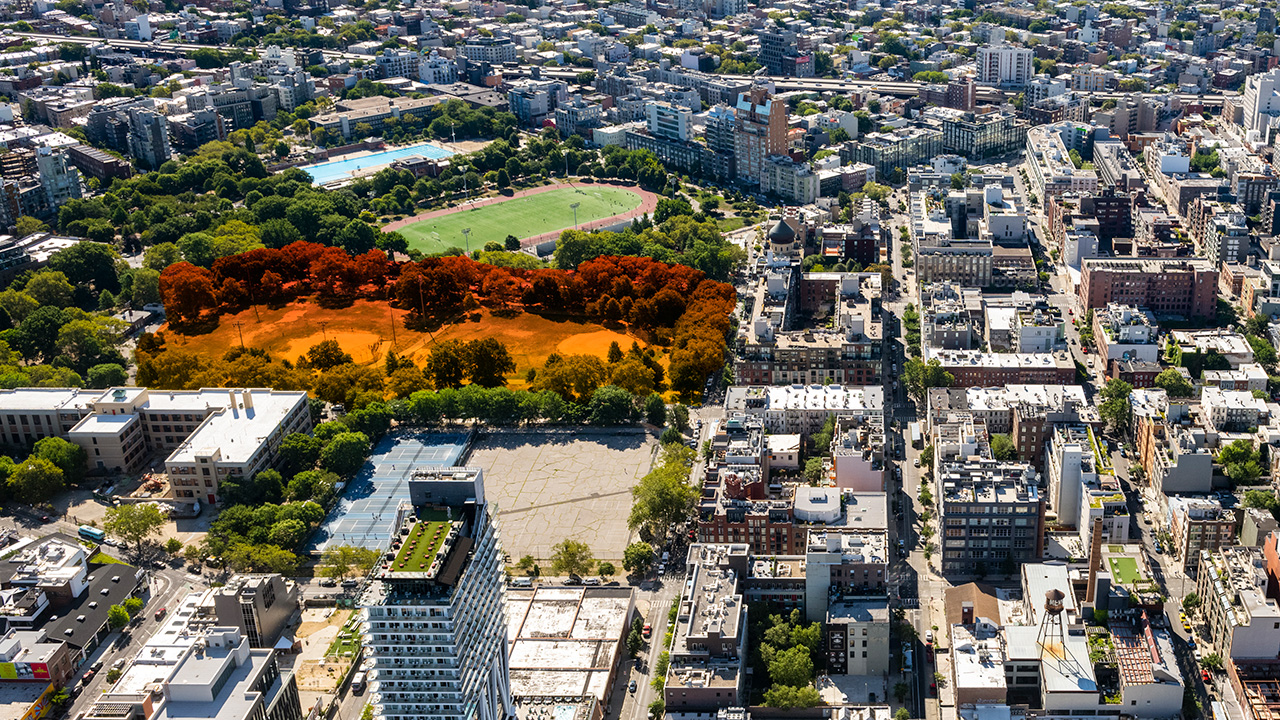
point(523, 217)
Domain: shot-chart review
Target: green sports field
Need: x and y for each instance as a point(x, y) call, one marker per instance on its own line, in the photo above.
point(523, 217)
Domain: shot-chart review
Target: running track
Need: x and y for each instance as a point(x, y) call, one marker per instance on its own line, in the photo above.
point(648, 203)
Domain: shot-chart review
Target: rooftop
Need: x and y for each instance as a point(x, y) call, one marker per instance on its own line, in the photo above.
point(422, 546)
point(836, 398)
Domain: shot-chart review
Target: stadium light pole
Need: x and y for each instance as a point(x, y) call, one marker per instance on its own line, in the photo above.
point(574, 206)
point(466, 234)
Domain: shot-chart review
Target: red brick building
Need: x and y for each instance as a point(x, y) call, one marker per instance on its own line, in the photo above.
point(1167, 286)
point(973, 368)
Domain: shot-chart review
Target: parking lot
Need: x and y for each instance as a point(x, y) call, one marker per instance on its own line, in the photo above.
point(550, 485)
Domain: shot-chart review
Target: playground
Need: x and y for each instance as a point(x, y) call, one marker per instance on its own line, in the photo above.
point(532, 215)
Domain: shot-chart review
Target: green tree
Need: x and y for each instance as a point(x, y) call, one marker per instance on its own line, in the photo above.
point(1115, 408)
point(680, 418)
point(664, 496)
point(345, 453)
point(106, 375)
point(173, 546)
point(529, 565)
point(1002, 448)
point(606, 570)
point(638, 557)
point(900, 692)
point(813, 468)
point(792, 667)
point(635, 643)
point(36, 480)
point(1241, 462)
point(134, 523)
point(448, 364)
point(68, 456)
point(117, 617)
point(1212, 661)
point(610, 405)
point(1173, 383)
point(27, 225)
point(1191, 603)
point(655, 410)
point(299, 452)
point(50, 289)
point(902, 714)
point(919, 376)
point(787, 697)
point(133, 606)
point(1263, 351)
point(327, 355)
point(1264, 499)
point(489, 362)
point(571, 557)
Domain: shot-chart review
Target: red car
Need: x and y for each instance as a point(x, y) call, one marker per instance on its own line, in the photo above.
point(933, 688)
point(648, 630)
point(1206, 676)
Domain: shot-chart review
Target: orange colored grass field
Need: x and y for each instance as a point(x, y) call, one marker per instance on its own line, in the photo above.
point(364, 331)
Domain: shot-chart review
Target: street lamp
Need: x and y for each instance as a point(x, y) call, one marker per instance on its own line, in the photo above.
point(465, 190)
point(574, 206)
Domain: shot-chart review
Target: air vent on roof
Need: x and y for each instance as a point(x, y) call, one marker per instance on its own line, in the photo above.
point(68, 632)
point(115, 578)
point(93, 604)
point(105, 591)
point(79, 618)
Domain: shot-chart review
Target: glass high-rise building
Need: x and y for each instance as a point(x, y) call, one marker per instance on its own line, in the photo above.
point(434, 614)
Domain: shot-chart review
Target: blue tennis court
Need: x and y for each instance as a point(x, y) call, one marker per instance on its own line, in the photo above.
point(364, 515)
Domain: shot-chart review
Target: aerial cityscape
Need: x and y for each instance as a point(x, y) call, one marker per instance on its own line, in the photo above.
point(639, 360)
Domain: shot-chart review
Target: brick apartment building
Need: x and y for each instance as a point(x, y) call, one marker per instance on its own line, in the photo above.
point(1169, 286)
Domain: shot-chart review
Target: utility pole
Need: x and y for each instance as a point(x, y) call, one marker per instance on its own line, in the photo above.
point(392, 312)
point(323, 324)
point(239, 325)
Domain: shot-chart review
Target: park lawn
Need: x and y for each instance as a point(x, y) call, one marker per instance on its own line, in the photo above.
point(523, 217)
point(1125, 569)
point(729, 224)
point(364, 331)
point(348, 639)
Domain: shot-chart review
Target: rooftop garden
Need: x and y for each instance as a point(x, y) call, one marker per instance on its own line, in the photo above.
point(419, 548)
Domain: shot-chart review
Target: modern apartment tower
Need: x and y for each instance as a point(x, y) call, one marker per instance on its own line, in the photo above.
point(434, 612)
point(760, 131)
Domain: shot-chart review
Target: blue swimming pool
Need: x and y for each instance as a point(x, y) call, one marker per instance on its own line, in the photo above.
point(336, 170)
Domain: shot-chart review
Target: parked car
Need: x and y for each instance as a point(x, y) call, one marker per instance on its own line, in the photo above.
point(591, 581)
point(88, 675)
point(160, 613)
point(632, 686)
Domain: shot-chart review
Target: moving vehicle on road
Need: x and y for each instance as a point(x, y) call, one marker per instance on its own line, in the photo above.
point(92, 533)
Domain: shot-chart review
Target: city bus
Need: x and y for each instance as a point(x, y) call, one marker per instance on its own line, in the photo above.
point(92, 533)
